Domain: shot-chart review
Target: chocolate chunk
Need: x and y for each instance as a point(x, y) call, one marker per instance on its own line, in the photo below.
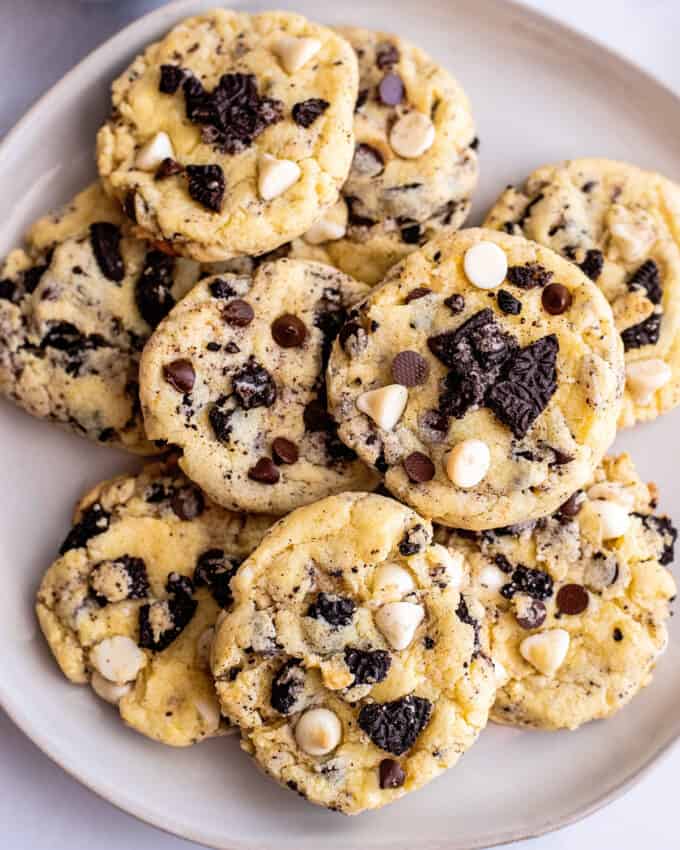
point(368, 666)
point(94, 520)
point(531, 615)
point(410, 369)
point(395, 726)
point(593, 263)
point(206, 185)
point(386, 55)
point(264, 471)
point(253, 386)
point(617, 634)
point(508, 303)
point(391, 89)
point(289, 331)
point(152, 290)
point(556, 299)
point(287, 686)
point(535, 583)
point(187, 502)
point(644, 333)
point(648, 277)
point(573, 505)
point(347, 331)
point(219, 417)
point(316, 417)
point(306, 112)
point(367, 161)
point(168, 168)
point(174, 613)
point(419, 467)
point(134, 582)
point(172, 77)
point(572, 599)
point(335, 610)
point(410, 234)
point(528, 382)
point(180, 375)
point(663, 526)
point(284, 451)
point(455, 303)
point(529, 276)
point(105, 240)
point(238, 313)
point(391, 774)
point(215, 571)
point(415, 294)
point(561, 458)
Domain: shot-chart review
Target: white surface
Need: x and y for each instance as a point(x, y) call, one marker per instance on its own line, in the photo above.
point(40, 807)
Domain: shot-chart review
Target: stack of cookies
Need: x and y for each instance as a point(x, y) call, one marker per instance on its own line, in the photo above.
point(381, 510)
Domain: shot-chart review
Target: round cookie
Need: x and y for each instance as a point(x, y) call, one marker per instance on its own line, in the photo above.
point(350, 661)
point(235, 377)
point(619, 223)
point(233, 133)
point(577, 602)
point(484, 403)
point(76, 307)
point(130, 604)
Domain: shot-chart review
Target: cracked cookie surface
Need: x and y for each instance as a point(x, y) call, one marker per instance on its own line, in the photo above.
point(434, 378)
point(588, 588)
point(76, 307)
point(248, 117)
point(130, 604)
point(236, 377)
point(621, 225)
point(351, 662)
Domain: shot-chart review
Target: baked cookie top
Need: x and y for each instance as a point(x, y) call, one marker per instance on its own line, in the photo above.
point(620, 224)
point(483, 378)
point(130, 604)
point(233, 133)
point(235, 377)
point(577, 602)
point(350, 660)
point(76, 307)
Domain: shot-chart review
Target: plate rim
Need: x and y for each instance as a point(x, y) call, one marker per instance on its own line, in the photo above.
point(115, 45)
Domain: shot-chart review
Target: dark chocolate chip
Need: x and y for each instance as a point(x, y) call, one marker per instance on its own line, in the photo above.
point(391, 89)
point(395, 726)
point(206, 185)
point(410, 369)
point(419, 467)
point(187, 502)
point(572, 599)
point(410, 234)
point(573, 505)
point(391, 774)
point(556, 299)
point(264, 471)
point(105, 240)
point(238, 313)
point(168, 168)
point(289, 331)
point(306, 112)
point(532, 615)
point(180, 375)
point(284, 450)
point(617, 634)
point(508, 303)
point(415, 294)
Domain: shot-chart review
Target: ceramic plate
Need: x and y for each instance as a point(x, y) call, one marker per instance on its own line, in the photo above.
point(540, 93)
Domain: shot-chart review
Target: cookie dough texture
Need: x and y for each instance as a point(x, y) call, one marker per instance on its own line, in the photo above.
point(303, 635)
point(127, 576)
point(542, 391)
point(624, 583)
point(621, 224)
point(208, 47)
point(71, 325)
point(251, 386)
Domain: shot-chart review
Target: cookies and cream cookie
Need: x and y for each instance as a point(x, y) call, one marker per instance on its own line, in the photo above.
point(483, 378)
point(353, 665)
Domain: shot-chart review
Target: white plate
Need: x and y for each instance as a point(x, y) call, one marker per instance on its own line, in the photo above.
point(540, 93)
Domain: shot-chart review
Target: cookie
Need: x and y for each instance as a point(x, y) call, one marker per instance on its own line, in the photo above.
point(130, 604)
point(76, 307)
point(233, 134)
point(483, 378)
point(577, 602)
point(235, 377)
point(351, 662)
point(619, 224)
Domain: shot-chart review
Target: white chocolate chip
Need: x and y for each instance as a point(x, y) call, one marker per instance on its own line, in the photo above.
point(294, 52)
point(385, 405)
point(393, 581)
point(117, 659)
point(492, 578)
point(614, 519)
point(276, 176)
point(152, 154)
point(398, 622)
point(331, 226)
point(468, 462)
point(612, 491)
point(203, 645)
point(645, 377)
point(109, 691)
point(452, 562)
point(633, 232)
point(485, 265)
point(546, 651)
point(318, 731)
point(500, 673)
point(412, 135)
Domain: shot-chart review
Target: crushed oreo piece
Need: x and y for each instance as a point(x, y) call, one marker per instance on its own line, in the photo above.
point(168, 168)
point(152, 291)
point(368, 666)
point(160, 623)
point(648, 277)
point(187, 502)
point(463, 614)
point(508, 303)
point(306, 112)
point(219, 417)
point(535, 583)
point(395, 726)
point(220, 288)
point(215, 571)
point(531, 613)
point(386, 55)
point(287, 686)
point(413, 541)
point(367, 161)
point(172, 77)
point(335, 610)
point(126, 573)
point(663, 526)
point(206, 185)
point(644, 333)
point(593, 263)
point(105, 240)
point(455, 303)
point(253, 386)
point(529, 276)
point(95, 520)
